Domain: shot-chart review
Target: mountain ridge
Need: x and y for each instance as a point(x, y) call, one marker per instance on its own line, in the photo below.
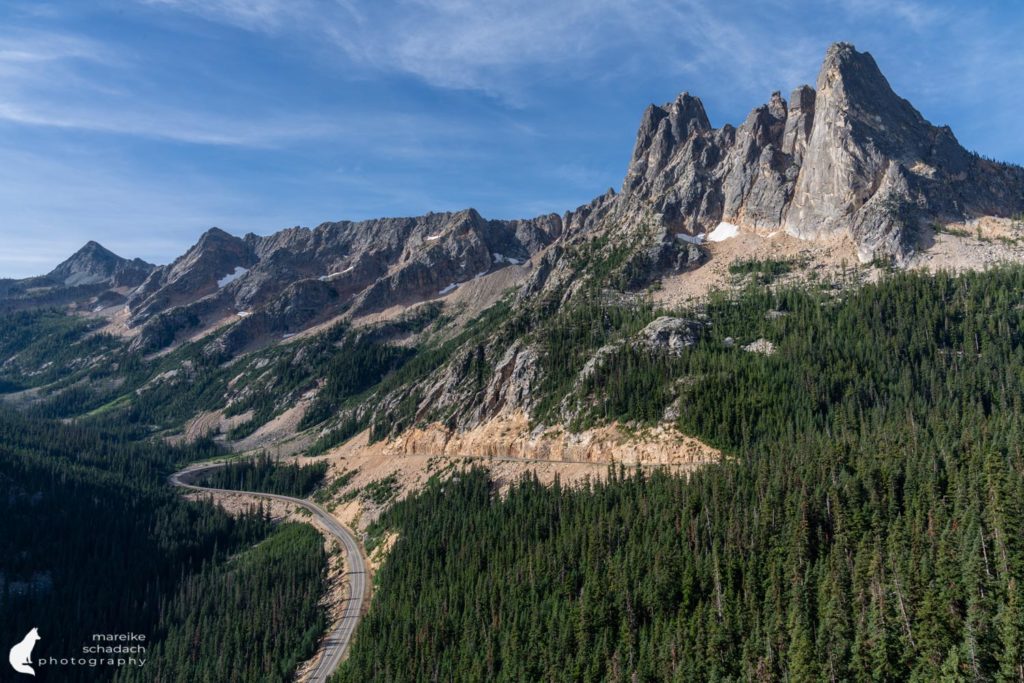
point(848, 157)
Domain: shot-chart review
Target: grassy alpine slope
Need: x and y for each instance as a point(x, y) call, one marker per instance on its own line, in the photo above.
point(866, 527)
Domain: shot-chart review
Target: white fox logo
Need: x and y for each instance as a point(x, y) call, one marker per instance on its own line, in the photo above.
point(21, 654)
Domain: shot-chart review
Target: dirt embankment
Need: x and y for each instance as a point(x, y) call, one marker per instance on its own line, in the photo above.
point(510, 436)
point(976, 244)
point(377, 474)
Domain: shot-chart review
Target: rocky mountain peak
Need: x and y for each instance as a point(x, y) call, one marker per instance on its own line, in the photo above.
point(663, 130)
point(876, 169)
point(850, 157)
point(91, 254)
point(686, 116)
point(216, 237)
point(214, 261)
point(851, 85)
point(855, 73)
point(95, 264)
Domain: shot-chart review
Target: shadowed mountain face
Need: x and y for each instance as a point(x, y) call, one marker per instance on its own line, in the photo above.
point(848, 156)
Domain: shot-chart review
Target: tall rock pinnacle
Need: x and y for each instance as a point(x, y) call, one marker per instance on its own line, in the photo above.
point(851, 157)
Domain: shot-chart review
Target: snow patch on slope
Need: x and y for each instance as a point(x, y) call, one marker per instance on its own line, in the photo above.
point(501, 258)
point(238, 272)
point(723, 232)
point(331, 276)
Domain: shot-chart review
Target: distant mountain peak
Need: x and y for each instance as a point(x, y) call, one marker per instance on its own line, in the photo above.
point(95, 264)
point(92, 249)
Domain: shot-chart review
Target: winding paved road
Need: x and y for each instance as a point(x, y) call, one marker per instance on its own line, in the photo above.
point(338, 639)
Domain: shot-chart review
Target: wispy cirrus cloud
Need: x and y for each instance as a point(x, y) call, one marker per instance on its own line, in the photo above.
point(174, 126)
point(508, 47)
point(514, 50)
point(258, 15)
point(913, 13)
point(58, 80)
point(35, 47)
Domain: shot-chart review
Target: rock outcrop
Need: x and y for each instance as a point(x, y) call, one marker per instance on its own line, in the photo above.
point(670, 335)
point(301, 276)
point(216, 260)
point(876, 168)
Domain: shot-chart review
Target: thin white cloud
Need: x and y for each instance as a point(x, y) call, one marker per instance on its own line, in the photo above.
point(453, 43)
point(257, 15)
point(36, 47)
point(507, 48)
point(495, 46)
point(917, 15)
point(59, 80)
point(172, 125)
point(510, 48)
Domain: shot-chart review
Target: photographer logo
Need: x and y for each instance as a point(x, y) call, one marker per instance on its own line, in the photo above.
point(21, 654)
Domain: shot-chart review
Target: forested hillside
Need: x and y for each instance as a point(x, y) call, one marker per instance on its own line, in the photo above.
point(253, 618)
point(865, 526)
point(93, 540)
point(263, 474)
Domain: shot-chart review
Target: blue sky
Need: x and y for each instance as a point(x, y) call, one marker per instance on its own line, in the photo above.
point(140, 123)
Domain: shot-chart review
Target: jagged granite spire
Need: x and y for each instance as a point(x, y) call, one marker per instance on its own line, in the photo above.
point(851, 157)
point(876, 168)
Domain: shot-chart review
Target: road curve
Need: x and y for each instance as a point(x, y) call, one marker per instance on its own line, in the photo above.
point(338, 639)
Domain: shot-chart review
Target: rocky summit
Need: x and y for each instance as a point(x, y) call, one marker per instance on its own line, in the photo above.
point(92, 276)
point(93, 264)
point(848, 156)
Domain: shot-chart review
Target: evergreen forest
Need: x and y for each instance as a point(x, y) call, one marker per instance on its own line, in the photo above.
point(865, 522)
point(93, 540)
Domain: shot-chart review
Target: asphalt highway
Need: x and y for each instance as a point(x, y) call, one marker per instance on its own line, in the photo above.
point(339, 638)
